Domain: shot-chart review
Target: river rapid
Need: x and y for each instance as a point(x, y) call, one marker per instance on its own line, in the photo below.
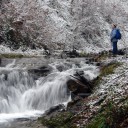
point(24, 96)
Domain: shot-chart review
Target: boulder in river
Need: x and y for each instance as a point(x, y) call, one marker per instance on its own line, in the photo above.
point(77, 88)
point(42, 71)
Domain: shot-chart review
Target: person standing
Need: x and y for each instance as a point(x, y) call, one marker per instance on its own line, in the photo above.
point(115, 36)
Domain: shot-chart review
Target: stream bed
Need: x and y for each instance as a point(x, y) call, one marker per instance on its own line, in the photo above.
point(30, 86)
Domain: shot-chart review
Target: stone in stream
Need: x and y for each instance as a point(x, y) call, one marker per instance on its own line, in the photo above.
point(1, 39)
point(77, 89)
point(54, 110)
point(42, 71)
point(79, 86)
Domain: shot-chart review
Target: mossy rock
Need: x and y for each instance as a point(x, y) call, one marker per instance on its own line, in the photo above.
point(13, 55)
point(106, 70)
point(62, 120)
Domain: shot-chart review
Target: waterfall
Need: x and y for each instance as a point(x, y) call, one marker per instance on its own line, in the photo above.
point(21, 95)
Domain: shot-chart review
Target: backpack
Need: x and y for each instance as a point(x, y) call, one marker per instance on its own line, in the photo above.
point(118, 34)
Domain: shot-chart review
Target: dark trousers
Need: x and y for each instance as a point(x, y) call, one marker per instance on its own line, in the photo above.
point(115, 49)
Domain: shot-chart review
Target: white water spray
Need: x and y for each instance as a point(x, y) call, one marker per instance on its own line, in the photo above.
point(22, 96)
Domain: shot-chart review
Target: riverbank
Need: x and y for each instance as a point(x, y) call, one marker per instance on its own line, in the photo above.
point(106, 107)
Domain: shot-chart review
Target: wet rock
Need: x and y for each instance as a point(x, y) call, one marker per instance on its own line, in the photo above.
point(77, 88)
point(102, 53)
point(84, 79)
point(72, 85)
point(42, 71)
point(72, 104)
point(6, 77)
point(79, 73)
point(84, 94)
point(71, 54)
point(1, 39)
point(60, 68)
point(98, 64)
point(121, 52)
point(75, 97)
point(80, 86)
point(54, 110)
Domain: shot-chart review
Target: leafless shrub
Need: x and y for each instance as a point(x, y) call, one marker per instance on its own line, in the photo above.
point(28, 19)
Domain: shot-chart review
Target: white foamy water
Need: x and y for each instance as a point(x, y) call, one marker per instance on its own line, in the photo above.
point(22, 97)
point(4, 117)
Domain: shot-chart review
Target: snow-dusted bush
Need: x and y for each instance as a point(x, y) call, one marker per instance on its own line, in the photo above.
point(27, 19)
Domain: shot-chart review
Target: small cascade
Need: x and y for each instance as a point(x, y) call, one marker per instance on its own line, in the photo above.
point(21, 94)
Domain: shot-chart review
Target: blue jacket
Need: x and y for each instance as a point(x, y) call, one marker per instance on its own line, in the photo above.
point(113, 35)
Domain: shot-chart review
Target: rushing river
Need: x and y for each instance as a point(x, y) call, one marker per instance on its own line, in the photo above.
point(22, 96)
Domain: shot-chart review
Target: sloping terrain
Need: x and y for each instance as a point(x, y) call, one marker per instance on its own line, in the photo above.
point(107, 106)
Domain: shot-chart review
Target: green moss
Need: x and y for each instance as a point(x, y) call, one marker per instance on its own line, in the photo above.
point(13, 55)
point(83, 54)
point(102, 57)
point(109, 69)
point(63, 120)
point(99, 122)
point(96, 57)
point(111, 116)
point(106, 70)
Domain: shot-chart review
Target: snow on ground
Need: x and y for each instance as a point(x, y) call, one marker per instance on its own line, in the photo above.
point(113, 87)
point(117, 82)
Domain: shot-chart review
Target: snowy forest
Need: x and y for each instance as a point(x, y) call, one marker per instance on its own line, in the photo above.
point(59, 24)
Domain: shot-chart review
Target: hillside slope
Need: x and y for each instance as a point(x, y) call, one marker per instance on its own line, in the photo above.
point(58, 24)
